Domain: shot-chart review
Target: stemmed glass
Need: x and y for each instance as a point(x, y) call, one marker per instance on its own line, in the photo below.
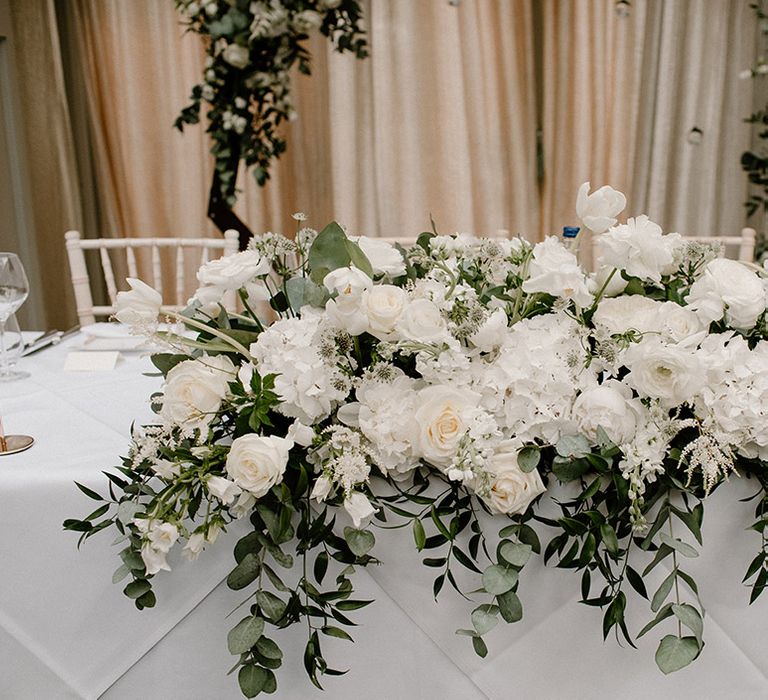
point(14, 289)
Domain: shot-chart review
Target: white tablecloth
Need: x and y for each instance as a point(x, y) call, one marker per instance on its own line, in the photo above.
point(67, 632)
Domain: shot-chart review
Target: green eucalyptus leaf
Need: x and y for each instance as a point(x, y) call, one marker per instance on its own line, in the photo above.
point(499, 579)
point(691, 618)
point(573, 446)
point(252, 680)
point(682, 547)
point(515, 554)
point(302, 291)
point(528, 458)
point(136, 589)
point(675, 653)
point(485, 618)
point(267, 648)
point(479, 646)
point(244, 573)
point(245, 634)
point(273, 607)
point(510, 606)
point(663, 591)
point(329, 251)
point(358, 258)
point(360, 541)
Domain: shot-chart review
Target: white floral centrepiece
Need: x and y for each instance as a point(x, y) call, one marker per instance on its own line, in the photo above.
point(425, 386)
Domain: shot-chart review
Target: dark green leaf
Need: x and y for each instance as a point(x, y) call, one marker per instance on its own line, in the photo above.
point(419, 535)
point(663, 591)
point(321, 566)
point(252, 680)
point(245, 634)
point(268, 649)
point(244, 573)
point(136, 589)
point(89, 492)
point(480, 648)
point(510, 606)
point(336, 632)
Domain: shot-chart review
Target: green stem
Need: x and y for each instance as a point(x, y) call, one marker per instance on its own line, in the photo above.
point(677, 584)
point(213, 331)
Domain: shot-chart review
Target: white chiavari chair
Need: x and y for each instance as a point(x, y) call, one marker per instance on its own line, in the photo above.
point(181, 247)
point(745, 243)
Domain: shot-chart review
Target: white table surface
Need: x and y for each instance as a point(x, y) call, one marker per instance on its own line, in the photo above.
point(67, 632)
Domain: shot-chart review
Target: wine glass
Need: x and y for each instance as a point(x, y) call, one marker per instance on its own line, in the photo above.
point(14, 289)
point(13, 344)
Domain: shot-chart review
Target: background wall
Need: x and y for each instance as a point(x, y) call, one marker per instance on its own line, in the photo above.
point(487, 116)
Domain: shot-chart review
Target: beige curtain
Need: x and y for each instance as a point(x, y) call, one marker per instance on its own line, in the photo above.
point(622, 95)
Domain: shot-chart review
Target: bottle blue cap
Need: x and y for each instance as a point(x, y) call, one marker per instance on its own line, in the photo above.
point(570, 231)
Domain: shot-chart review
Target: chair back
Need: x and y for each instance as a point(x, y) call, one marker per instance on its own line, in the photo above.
point(745, 242)
point(174, 294)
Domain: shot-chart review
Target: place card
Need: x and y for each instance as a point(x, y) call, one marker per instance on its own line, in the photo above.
point(91, 361)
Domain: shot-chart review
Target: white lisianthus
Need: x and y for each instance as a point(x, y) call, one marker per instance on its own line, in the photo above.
point(154, 559)
point(243, 505)
point(233, 271)
point(236, 55)
point(670, 373)
point(165, 469)
point(300, 434)
point(359, 508)
point(256, 463)
point(383, 305)
point(639, 247)
point(194, 546)
point(385, 259)
point(598, 211)
point(511, 489)
point(441, 422)
point(728, 288)
point(223, 489)
point(491, 333)
point(140, 306)
point(609, 406)
point(307, 21)
point(422, 322)
point(194, 389)
point(321, 488)
point(554, 270)
point(162, 536)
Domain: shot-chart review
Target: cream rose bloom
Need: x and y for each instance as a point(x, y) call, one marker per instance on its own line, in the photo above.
point(236, 55)
point(422, 322)
point(256, 463)
point(441, 423)
point(383, 305)
point(598, 211)
point(512, 490)
point(608, 406)
point(233, 271)
point(194, 390)
point(728, 288)
point(345, 309)
point(139, 306)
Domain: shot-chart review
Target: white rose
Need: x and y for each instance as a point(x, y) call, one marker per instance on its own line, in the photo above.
point(512, 490)
point(639, 247)
point(307, 21)
point(634, 312)
point(677, 322)
point(223, 489)
point(383, 305)
point(233, 271)
point(139, 306)
point(194, 390)
point(492, 332)
point(554, 270)
point(256, 463)
point(669, 373)
point(236, 55)
point(154, 559)
point(163, 536)
point(422, 322)
point(728, 288)
point(598, 211)
point(440, 423)
point(385, 259)
point(345, 309)
point(359, 508)
point(610, 407)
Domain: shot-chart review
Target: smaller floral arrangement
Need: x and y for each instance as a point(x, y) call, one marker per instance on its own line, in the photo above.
point(449, 387)
point(252, 46)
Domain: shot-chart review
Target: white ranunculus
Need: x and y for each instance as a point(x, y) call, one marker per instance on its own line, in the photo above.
point(422, 322)
point(598, 211)
point(670, 373)
point(385, 259)
point(492, 332)
point(154, 559)
point(728, 288)
point(162, 536)
point(440, 420)
point(321, 488)
point(677, 322)
point(139, 306)
point(359, 508)
point(639, 247)
point(194, 389)
point(634, 312)
point(223, 489)
point(608, 406)
point(256, 463)
point(236, 55)
point(233, 271)
point(512, 490)
point(307, 21)
point(554, 270)
point(383, 305)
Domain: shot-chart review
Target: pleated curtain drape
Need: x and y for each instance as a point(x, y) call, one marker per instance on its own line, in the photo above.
point(486, 116)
